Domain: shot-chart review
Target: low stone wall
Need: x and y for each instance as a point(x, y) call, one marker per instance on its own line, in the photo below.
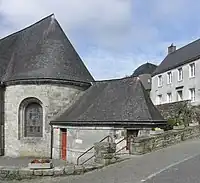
point(142, 145)
point(170, 110)
point(16, 173)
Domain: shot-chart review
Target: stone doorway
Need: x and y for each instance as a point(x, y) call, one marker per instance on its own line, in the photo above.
point(130, 135)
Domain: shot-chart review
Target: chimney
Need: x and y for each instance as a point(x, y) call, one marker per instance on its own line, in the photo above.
point(171, 48)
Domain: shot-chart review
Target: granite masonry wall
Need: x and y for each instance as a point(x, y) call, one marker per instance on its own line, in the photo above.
point(54, 99)
point(142, 145)
point(170, 110)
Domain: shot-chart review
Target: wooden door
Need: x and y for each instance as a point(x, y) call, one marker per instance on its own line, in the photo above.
point(130, 135)
point(64, 144)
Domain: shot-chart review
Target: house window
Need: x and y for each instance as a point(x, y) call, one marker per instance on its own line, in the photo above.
point(180, 95)
point(192, 94)
point(180, 74)
point(31, 118)
point(169, 97)
point(160, 80)
point(159, 99)
point(192, 70)
point(169, 77)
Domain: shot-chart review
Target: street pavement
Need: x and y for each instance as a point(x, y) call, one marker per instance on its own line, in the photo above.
point(178, 163)
point(185, 172)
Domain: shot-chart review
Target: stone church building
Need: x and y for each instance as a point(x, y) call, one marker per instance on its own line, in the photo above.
point(41, 75)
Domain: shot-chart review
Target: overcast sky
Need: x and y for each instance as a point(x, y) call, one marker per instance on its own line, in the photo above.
point(112, 37)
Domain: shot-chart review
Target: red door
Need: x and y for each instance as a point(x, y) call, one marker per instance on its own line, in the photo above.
point(64, 144)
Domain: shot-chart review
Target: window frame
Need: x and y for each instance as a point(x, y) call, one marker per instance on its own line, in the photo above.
point(32, 110)
point(169, 77)
point(180, 70)
point(160, 81)
point(159, 97)
point(192, 70)
point(192, 94)
point(169, 99)
point(181, 98)
point(21, 119)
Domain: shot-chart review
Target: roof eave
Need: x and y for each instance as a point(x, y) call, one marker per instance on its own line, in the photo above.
point(125, 124)
point(175, 66)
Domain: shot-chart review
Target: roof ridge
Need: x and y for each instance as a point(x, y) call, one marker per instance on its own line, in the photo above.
point(27, 27)
point(184, 46)
point(116, 79)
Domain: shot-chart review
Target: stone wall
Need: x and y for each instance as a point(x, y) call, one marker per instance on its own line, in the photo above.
point(53, 98)
point(170, 110)
point(142, 145)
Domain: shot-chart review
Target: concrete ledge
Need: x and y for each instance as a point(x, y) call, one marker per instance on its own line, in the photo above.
point(15, 173)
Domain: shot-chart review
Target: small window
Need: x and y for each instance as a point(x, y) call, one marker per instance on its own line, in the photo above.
point(169, 97)
point(192, 70)
point(160, 80)
point(180, 74)
point(192, 94)
point(169, 77)
point(180, 95)
point(159, 99)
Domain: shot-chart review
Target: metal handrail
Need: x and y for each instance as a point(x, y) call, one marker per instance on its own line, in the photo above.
point(122, 147)
point(107, 137)
point(87, 160)
point(121, 141)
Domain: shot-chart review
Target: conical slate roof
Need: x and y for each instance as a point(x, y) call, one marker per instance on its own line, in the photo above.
point(146, 68)
point(121, 100)
point(41, 51)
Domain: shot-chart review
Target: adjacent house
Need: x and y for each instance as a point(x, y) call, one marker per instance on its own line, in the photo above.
point(144, 72)
point(43, 80)
point(176, 78)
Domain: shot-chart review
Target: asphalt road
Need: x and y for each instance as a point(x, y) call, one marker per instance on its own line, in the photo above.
point(179, 163)
point(185, 172)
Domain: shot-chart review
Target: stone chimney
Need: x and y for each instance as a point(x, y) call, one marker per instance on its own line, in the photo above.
point(171, 48)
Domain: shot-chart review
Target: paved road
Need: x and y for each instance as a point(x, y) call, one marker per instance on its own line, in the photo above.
point(185, 172)
point(161, 164)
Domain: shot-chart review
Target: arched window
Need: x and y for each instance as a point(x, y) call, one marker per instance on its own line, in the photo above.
point(31, 118)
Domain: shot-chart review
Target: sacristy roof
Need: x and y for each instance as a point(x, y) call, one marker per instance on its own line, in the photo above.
point(123, 100)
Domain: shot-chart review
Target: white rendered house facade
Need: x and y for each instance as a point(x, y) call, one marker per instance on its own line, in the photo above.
point(179, 83)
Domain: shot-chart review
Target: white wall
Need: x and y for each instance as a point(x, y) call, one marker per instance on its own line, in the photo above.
point(79, 139)
point(187, 83)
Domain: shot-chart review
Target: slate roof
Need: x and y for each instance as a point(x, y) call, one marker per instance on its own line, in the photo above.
point(147, 68)
point(41, 51)
point(179, 57)
point(120, 100)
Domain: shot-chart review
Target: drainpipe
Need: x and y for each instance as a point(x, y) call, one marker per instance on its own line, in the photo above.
point(51, 141)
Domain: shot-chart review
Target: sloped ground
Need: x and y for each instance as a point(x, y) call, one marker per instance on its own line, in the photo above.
point(135, 169)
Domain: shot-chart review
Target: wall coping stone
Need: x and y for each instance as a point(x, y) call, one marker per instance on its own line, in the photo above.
point(143, 145)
